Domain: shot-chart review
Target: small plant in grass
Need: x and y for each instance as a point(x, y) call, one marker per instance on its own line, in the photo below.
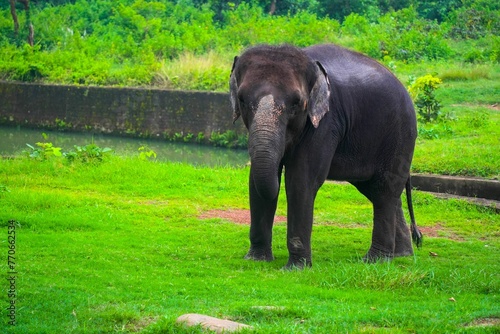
point(146, 153)
point(438, 131)
point(42, 150)
point(422, 89)
point(478, 120)
point(90, 153)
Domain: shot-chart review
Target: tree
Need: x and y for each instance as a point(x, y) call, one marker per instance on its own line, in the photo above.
point(31, 32)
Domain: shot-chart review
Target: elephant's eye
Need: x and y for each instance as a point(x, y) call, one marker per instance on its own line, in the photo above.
point(295, 98)
point(297, 104)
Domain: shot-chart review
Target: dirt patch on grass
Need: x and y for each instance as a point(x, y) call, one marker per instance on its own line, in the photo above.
point(438, 231)
point(237, 216)
point(240, 216)
point(140, 324)
point(430, 231)
point(495, 107)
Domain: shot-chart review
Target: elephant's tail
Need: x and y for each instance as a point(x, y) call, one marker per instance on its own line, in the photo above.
point(416, 235)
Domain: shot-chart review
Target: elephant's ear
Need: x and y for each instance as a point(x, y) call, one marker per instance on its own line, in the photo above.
point(233, 87)
point(319, 97)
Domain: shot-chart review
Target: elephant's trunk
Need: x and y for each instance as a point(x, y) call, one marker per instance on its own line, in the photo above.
point(266, 145)
point(265, 170)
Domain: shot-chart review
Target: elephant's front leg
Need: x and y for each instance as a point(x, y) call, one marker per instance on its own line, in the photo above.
point(261, 229)
point(300, 197)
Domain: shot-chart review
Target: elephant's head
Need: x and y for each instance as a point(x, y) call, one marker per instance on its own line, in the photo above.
point(276, 90)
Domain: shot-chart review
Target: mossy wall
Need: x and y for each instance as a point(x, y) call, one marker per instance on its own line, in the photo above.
point(137, 112)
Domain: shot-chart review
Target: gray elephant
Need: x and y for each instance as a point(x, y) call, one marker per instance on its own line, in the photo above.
point(324, 112)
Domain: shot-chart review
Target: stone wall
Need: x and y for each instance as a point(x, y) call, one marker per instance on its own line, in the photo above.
point(138, 112)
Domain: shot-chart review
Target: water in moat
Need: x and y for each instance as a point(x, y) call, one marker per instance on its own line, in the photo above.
point(13, 141)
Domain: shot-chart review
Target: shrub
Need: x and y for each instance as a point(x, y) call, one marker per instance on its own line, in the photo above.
point(42, 151)
point(474, 23)
point(355, 24)
point(422, 91)
point(90, 153)
point(146, 153)
point(495, 49)
point(407, 37)
point(228, 139)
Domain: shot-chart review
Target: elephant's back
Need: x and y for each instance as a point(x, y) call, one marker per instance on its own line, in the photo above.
point(350, 68)
point(362, 83)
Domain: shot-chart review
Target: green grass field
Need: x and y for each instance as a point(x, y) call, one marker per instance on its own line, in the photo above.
point(119, 246)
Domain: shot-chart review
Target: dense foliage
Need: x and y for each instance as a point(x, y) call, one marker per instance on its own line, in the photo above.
point(139, 42)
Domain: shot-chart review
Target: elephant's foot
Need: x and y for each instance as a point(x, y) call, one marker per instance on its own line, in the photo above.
point(403, 243)
point(406, 250)
point(259, 254)
point(377, 255)
point(298, 263)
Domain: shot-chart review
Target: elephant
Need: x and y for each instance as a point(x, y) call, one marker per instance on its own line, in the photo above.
point(324, 112)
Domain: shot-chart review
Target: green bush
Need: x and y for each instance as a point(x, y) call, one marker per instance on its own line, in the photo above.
point(472, 23)
point(355, 24)
point(42, 151)
point(228, 139)
point(248, 25)
point(423, 92)
point(146, 153)
point(90, 153)
point(407, 37)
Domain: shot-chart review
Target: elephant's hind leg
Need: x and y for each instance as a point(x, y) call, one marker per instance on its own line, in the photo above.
point(403, 245)
point(384, 231)
point(390, 237)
